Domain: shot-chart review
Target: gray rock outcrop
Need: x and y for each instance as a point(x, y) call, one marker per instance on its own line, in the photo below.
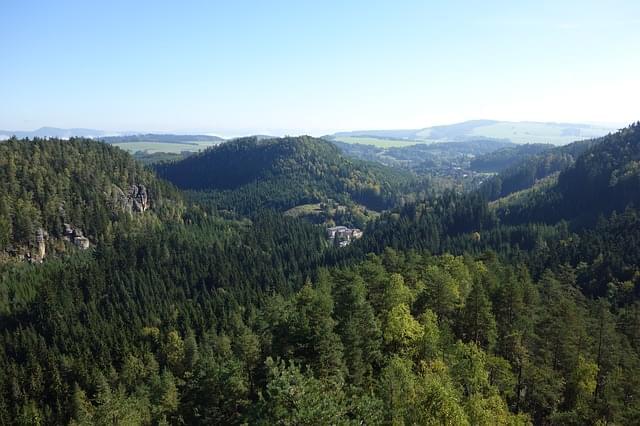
point(136, 199)
point(139, 198)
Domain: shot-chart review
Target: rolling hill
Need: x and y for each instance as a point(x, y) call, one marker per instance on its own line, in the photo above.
point(52, 132)
point(531, 168)
point(152, 143)
point(251, 173)
point(148, 143)
point(602, 179)
point(516, 132)
point(501, 159)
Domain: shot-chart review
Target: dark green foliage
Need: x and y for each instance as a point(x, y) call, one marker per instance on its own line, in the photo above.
point(183, 315)
point(603, 179)
point(148, 158)
point(525, 173)
point(249, 174)
point(497, 161)
point(46, 183)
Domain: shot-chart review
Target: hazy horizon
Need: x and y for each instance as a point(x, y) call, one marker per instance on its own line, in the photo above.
point(283, 132)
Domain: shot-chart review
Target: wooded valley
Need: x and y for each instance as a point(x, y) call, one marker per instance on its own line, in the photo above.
point(197, 300)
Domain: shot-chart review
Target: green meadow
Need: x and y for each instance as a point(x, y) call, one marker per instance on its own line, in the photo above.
point(378, 142)
point(170, 147)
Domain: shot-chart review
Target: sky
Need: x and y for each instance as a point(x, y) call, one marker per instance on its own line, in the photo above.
point(315, 67)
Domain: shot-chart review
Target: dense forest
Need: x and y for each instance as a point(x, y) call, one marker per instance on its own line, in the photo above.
point(219, 309)
point(425, 157)
point(501, 159)
point(529, 169)
point(249, 174)
point(47, 183)
point(603, 179)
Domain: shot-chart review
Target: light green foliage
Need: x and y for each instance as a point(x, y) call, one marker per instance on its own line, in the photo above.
point(378, 142)
point(296, 398)
point(585, 382)
point(429, 344)
point(447, 282)
point(401, 330)
point(439, 402)
point(396, 292)
point(174, 349)
point(158, 146)
point(398, 389)
point(82, 408)
point(428, 397)
point(492, 410)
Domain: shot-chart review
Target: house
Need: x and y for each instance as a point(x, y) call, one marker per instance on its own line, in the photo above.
point(343, 235)
point(336, 231)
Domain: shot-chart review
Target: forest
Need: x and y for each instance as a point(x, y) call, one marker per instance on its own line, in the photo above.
point(202, 303)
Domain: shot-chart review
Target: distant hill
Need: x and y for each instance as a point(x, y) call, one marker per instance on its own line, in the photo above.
point(425, 156)
point(160, 137)
point(146, 143)
point(517, 132)
point(149, 144)
point(249, 173)
point(52, 132)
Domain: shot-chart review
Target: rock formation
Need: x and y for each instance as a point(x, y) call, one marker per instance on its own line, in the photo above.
point(136, 200)
point(75, 236)
point(139, 198)
point(40, 241)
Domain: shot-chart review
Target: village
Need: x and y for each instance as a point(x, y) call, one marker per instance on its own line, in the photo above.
point(342, 236)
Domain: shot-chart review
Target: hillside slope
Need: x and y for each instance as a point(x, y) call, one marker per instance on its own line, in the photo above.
point(248, 174)
point(501, 159)
point(530, 169)
point(49, 187)
point(603, 179)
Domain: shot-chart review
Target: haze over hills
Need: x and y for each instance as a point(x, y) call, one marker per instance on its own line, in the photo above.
point(53, 132)
point(516, 132)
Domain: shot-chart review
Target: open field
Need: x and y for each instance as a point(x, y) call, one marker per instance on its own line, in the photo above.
point(379, 142)
point(176, 148)
point(517, 132)
point(539, 132)
point(304, 209)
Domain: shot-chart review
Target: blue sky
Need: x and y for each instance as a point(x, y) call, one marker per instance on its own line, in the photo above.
point(315, 67)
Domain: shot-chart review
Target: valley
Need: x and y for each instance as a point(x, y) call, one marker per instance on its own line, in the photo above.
point(335, 213)
point(203, 285)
